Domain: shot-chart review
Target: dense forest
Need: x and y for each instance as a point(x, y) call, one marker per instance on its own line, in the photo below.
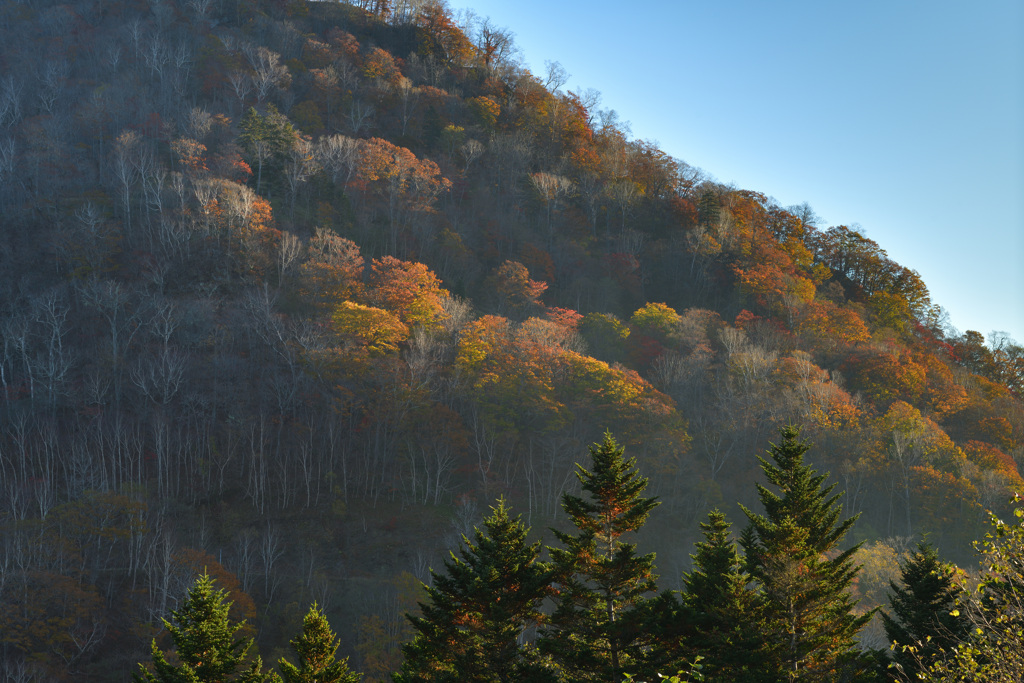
point(291, 293)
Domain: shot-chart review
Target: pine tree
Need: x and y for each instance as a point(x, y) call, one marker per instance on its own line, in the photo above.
point(720, 608)
point(316, 649)
point(597, 631)
point(921, 610)
point(792, 552)
point(205, 644)
point(478, 610)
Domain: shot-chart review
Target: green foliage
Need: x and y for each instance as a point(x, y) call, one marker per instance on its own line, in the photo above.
point(720, 607)
point(994, 613)
point(922, 610)
point(596, 631)
point(605, 335)
point(316, 649)
point(694, 674)
point(205, 647)
point(473, 623)
point(792, 552)
point(266, 139)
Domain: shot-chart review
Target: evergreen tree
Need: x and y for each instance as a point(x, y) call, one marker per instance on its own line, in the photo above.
point(922, 609)
point(792, 552)
point(266, 139)
point(478, 610)
point(316, 649)
point(993, 650)
point(720, 608)
point(204, 642)
point(597, 631)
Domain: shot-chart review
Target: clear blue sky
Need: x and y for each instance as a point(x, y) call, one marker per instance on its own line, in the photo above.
point(905, 118)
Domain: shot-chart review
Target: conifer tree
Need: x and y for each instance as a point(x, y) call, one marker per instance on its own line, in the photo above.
point(478, 610)
point(921, 610)
point(316, 649)
point(792, 552)
point(720, 607)
point(993, 650)
point(597, 631)
point(204, 642)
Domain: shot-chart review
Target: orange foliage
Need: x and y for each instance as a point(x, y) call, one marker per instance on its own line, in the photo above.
point(409, 290)
point(942, 394)
point(380, 66)
point(885, 375)
point(194, 563)
point(989, 457)
point(396, 175)
point(826, 325)
point(334, 271)
point(439, 35)
point(259, 239)
point(563, 317)
point(516, 292)
point(344, 44)
point(190, 154)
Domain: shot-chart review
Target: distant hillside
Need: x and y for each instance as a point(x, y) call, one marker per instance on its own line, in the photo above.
point(292, 291)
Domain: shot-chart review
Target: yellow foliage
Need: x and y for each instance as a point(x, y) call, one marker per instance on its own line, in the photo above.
point(372, 329)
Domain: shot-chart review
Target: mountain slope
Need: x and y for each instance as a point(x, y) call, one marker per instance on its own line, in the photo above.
point(287, 287)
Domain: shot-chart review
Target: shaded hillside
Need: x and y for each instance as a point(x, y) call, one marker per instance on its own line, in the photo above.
point(292, 290)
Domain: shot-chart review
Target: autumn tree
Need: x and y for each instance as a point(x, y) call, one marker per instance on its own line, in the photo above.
point(438, 35)
point(333, 271)
point(792, 552)
point(404, 184)
point(516, 293)
point(205, 644)
point(409, 289)
point(595, 632)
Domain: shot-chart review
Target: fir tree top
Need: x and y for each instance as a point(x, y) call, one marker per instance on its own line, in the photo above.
point(316, 648)
point(790, 551)
point(204, 640)
point(802, 497)
point(615, 506)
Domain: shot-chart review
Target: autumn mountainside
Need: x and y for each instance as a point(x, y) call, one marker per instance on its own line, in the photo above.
point(292, 292)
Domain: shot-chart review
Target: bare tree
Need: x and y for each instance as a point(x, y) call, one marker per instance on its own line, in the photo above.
point(408, 97)
point(359, 115)
point(10, 102)
point(126, 171)
point(556, 76)
point(289, 253)
point(268, 71)
point(551, 188)
point(339, 156)
point(300, 166)
point(241, 85)
point(123, 315)
point(471, 151)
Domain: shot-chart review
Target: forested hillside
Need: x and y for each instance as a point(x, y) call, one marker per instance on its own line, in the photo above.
point(292, 292)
